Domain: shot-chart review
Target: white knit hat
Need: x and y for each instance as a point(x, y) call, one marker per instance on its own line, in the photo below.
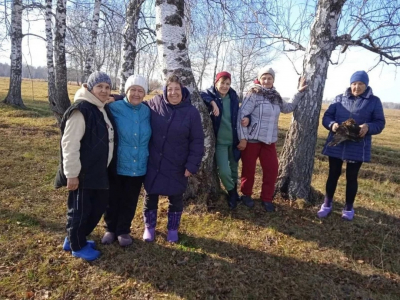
point(265, 70)
point(136, 80)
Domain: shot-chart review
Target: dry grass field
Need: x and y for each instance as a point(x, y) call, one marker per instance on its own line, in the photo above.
point(244, 254)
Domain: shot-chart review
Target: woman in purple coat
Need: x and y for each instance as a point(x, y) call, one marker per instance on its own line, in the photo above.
point(359, 104)
point(175, 152)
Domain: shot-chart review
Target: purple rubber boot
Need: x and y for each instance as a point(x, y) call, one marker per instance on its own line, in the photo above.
point(348, 215)
point(326, 208)
point(324, 211)
point(174, 219)
point(150, 222)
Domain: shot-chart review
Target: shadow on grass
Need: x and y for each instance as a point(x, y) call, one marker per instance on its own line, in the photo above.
point(33, 109)
point(372, 237)
point(205, 268)
point(27, 220)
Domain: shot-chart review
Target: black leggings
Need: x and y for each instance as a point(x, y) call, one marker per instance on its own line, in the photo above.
point(335, 169)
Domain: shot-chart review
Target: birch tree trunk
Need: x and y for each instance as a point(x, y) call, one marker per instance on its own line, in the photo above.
point(130, 34)
point(93, 39)
point(296, 161)
point(62, 100)
point(51, 81)
point(14, 92)
point(174, 58)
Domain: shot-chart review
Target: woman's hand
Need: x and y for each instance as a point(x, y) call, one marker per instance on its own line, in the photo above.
point(245, 122)
point(335, 126)
point(187, 173)
point(215, 108)
point(72, 183)
point(242, 145)
point(363, 130)
point(302, 84)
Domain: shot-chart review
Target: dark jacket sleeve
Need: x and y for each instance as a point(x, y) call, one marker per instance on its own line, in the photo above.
point(117, 97)
point(378, 121)
point(207, 98)
point(329, 117)
point(196, 143)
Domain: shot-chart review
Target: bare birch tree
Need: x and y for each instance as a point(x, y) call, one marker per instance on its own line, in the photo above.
point(14, 92)
point(93, 38)
point(62, 100)
point(130, 35)
point(174, 59)
point(51, 81)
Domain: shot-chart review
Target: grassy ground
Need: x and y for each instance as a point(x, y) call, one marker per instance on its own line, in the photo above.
point(245, 254)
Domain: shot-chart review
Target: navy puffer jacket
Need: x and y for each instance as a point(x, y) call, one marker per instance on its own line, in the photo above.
point(177, 144)
point(365, 108)
point(212, 94)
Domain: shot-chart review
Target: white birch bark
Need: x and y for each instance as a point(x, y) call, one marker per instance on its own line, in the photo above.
point(51, 81)
point(14, 92)
point(62, 99)
point(297, 157)
point(174, 59)
point(130, 34)
point(93, 39)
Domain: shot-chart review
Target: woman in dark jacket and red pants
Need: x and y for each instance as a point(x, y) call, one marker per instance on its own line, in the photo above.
point(360, 104)
point(175, 152)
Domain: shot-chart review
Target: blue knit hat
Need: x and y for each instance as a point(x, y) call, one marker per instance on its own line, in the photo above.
point(360, 76)
point(97, 77)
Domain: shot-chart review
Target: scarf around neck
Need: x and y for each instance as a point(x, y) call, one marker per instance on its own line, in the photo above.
point(271, 94)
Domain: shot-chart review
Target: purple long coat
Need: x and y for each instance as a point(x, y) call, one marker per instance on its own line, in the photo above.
point(177, 144)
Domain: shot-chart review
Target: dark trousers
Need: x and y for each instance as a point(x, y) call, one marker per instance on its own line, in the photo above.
point(175, 203)
point(335, 169)
point(124, 195)
point(85, 208)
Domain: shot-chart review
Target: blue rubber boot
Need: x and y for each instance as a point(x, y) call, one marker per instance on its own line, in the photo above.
point(67, 245)
point(86, 253)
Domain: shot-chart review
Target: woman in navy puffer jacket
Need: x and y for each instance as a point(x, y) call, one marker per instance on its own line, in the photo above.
point(360, 104)
point(176, 150)
point(132, 118)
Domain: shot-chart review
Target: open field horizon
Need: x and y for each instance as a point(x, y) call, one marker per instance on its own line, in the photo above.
point(244, 254)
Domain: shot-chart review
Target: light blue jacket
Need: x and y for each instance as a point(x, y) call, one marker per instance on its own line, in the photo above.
point(134, 132)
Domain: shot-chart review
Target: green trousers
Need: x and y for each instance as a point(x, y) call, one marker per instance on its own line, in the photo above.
point(227, 166)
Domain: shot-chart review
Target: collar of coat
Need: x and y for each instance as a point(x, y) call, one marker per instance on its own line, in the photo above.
point(212, 91)
point(367, 93)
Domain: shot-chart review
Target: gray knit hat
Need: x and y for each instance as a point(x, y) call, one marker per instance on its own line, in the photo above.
point(265, 70)
point(97, 77)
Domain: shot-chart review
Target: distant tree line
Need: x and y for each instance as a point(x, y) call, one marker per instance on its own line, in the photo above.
point(27, 71)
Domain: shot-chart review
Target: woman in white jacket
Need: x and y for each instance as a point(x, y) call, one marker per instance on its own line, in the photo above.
point(264, 104)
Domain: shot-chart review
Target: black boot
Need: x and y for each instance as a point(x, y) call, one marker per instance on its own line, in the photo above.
point(268, 206)
point(237, 195)
point(232, 198)
point(247, 201)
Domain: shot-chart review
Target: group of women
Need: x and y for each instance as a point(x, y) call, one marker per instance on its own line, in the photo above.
point(108, 151)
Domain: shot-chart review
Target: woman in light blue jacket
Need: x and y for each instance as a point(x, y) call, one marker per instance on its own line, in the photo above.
point(132, 119)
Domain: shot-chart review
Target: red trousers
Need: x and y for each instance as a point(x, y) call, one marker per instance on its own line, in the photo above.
point(269, 164)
